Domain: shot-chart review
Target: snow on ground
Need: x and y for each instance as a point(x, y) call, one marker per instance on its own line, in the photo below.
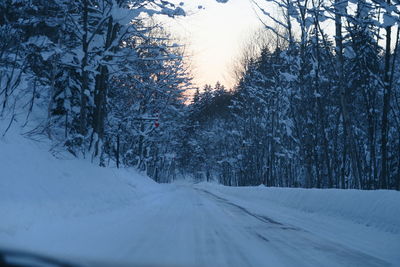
point(366, 220)
point(39, 190)
point(74, 210)
point(378, 208)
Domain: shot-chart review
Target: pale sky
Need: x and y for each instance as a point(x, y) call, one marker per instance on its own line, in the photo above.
point(214, 36)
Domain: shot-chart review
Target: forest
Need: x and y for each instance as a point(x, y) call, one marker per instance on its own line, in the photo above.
point(316, 102)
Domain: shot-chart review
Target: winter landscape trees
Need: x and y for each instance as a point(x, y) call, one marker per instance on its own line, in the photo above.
point(316, 107)
point(102, 71)
point(316, 102)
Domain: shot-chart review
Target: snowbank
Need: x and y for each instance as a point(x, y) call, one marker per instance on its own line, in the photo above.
point(36, 188)
point(379, 209)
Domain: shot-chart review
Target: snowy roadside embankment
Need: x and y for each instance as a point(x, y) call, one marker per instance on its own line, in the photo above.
point(379, 209)
point(37, 189)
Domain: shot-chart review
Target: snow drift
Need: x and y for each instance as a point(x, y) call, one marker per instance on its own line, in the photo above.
point(37, 188)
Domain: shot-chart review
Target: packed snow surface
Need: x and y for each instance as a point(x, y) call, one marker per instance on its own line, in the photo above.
point(70, 209)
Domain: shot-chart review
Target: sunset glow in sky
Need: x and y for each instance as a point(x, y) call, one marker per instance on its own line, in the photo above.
point(214, 36)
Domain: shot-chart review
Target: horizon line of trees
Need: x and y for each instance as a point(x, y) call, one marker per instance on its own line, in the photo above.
point(103, 80)
point(313, 110)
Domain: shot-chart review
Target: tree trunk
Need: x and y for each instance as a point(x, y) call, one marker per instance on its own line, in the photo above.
point(101, 90)
point(385, 113)
point(85, 74)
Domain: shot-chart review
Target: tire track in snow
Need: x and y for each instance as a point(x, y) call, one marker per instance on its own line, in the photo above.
point(297, 245)
point(262, 218)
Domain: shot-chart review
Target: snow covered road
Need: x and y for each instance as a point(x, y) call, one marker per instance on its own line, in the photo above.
point(188, 225)
point(199, 228)
point(262, 240)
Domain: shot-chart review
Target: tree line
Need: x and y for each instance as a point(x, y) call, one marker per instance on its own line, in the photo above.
point(317, 100)
point(311, 108)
